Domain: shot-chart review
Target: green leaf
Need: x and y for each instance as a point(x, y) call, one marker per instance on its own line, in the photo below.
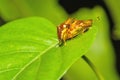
point(14, 9)
point(113, 7)
point(29, 50)
point(101, 52)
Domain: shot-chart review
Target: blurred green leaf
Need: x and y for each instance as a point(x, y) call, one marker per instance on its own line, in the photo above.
point(113, 6)
point(14, 9)
point(29, 50)
point(101, 53)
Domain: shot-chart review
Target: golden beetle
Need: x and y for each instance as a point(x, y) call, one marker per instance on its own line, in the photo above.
point(71, 28)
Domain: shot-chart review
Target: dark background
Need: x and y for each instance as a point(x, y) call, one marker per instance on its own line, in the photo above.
point(73, 5)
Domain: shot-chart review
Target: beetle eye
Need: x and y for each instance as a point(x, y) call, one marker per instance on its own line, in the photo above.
point(64, 26)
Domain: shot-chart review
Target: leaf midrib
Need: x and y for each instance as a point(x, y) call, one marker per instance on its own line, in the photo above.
point(33, 60)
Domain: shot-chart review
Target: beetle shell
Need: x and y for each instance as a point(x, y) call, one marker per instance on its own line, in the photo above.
point(71, 28)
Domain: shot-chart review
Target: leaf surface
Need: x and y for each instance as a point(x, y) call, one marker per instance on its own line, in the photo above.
point(29, 50)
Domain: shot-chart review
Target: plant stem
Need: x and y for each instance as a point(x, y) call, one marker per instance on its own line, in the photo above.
point(87, 60)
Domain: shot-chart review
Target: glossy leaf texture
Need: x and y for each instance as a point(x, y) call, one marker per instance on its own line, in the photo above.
point(29, 50)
